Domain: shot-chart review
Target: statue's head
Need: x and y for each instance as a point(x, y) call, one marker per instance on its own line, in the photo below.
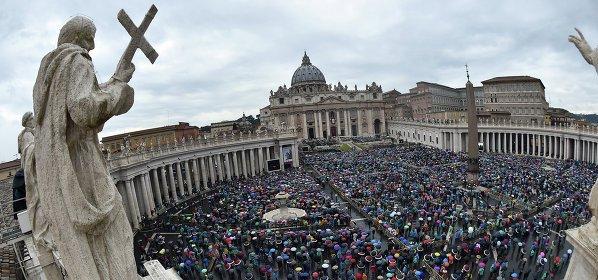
point(27, 120)
point(80, 31)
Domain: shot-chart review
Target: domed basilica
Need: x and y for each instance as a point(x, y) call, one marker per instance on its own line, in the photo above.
point(320, 110)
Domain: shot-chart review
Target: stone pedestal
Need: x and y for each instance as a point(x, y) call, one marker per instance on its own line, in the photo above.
point(584, 262)
point(157, 272)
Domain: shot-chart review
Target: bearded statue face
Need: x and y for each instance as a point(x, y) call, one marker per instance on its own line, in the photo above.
point(79, 31)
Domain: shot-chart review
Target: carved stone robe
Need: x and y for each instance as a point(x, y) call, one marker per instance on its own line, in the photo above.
point(78, 196)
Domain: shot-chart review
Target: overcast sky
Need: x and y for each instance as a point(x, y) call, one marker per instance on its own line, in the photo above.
point(219, 59)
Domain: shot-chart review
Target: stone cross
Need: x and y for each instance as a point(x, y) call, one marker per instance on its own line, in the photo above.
point(137, 39)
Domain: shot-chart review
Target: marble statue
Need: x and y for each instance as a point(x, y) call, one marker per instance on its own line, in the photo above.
point(589, 54)
point(80, 202)
point(40, 227)
point(584, 262)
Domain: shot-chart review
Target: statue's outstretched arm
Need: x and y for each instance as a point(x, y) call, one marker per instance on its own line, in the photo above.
point(583, 46)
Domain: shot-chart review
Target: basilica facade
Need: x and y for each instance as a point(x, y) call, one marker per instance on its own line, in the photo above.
point(319, 110)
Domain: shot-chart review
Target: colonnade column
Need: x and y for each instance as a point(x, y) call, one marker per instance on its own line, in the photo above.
point(164, 184)
point(196, 177)
point(188, 177)
point(204, 172)
point(251, 162)
point(156, 185)
point(236, 163)
point(150, 193)
point(212, 170)
point(227, 166)
point(132, 200)
point(260, 158)
point(172, 185)
point(244, 163)
point(512, 142)
point(179, 177)
point(220, 167)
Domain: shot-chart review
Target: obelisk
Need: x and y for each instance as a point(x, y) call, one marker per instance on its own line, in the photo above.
point(473, 168)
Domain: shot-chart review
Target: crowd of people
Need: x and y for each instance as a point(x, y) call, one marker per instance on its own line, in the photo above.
point(431, 221)
point(419, 196)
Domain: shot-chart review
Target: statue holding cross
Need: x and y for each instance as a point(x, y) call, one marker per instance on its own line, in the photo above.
point(85, 213)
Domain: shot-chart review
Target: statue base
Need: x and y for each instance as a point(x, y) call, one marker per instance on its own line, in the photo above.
point(584, 261)
point(157, 272)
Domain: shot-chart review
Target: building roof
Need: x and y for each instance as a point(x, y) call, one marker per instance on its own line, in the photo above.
point(10, 164)
point(511, 79)
point(181, 125)
point(307, 73)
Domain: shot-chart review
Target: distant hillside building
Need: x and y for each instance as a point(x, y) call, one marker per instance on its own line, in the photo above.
point(522, 96)
point(151, 136)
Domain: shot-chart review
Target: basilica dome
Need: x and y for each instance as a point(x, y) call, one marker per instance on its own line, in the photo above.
point(307, 74)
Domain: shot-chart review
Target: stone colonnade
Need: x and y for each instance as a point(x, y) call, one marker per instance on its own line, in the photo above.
point(543, 141)
point(160, 185)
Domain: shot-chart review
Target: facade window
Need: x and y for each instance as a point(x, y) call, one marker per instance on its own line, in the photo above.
point(375, 95)
point(281, 101)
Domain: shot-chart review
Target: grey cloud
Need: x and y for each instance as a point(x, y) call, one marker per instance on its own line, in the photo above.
point(219, 59)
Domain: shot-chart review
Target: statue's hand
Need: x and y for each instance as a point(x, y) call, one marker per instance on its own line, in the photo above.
point(124, 74)
point(583, 46)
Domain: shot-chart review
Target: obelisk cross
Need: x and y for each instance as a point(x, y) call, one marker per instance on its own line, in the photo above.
point(137, 39)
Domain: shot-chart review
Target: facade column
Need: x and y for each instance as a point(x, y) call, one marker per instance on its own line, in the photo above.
point(132, 200)
point(204, 172)
point(346, 122)
point(188, 177)
point(227, 166)
point(280, 157)
point(156, 185)
point(358, 122)
point(212, 170)
point(179, 177)
point(316, 128)
point(349, 129)
point(328, 134)
point(320, 125)
point(370, 120)
point(172, 184)
point(236, 164)
point(196, 176)
point(252, 162)
point(304, 125)
point(499, 142)
point(164, 185)
point(295, 150)
point(383, 122)
point(338, 123)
